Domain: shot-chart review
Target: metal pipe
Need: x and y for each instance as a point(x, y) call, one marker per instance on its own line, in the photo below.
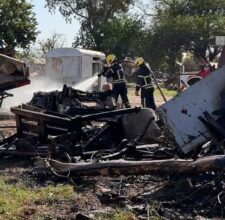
point(157, 84)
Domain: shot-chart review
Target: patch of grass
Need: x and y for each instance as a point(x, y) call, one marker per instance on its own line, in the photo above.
point(166, 92)
point(123, 216)
point(116, 215)
point(16, 197)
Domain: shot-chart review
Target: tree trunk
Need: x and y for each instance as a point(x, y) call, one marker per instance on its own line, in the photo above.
point(123, 167)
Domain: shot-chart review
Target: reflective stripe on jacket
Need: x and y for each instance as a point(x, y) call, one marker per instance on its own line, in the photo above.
point(144, 80)
point(117, 73)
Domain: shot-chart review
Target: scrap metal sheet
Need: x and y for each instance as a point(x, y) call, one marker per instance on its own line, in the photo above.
point(182, 112)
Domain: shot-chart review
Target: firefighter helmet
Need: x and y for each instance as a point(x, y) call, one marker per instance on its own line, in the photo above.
point(138, 61)
point(110, 58)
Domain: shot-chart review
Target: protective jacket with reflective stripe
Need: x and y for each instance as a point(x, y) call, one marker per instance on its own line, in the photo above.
point(144, 79)
point(116, 72)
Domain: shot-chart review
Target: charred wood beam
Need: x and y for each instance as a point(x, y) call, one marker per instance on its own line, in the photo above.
point(111, 113)
point(32, 108)
point(8, 139)
point(41, 116)
point(123, 167)
point(67, 121)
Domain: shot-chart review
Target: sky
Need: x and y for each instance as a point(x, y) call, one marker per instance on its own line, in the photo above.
point(50, 23)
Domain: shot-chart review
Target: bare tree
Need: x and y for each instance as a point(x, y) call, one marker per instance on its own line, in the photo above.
point(56, 40)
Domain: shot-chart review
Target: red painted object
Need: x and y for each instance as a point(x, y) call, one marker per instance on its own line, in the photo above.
point(204, 72)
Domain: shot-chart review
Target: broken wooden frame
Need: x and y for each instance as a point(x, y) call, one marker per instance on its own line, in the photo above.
point(42, 124)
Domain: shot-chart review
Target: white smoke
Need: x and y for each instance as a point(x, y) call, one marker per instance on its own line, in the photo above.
point(24, 94)
point(87, 84)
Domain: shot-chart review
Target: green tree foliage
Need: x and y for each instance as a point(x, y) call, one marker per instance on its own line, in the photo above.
point(18, 25)
point(207, 19)
point(123, 36)
point(92, 15)
point(189, 25)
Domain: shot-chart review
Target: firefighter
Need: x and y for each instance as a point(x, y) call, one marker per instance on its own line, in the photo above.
point(115, 70)
point(144, 82)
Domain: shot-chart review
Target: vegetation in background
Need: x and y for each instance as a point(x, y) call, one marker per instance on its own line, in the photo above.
point(18, 24)
point(92, 15)
point(54, 41)
point(188, 25)
point(175, 26)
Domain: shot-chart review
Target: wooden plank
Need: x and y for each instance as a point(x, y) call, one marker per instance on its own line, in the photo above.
point(27, 126)
point(38, 116)
point(19, 125)
point(32, 108)
point(43, 130)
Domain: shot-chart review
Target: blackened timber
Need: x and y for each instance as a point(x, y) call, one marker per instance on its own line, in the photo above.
point(64, 122)
point(110, 113)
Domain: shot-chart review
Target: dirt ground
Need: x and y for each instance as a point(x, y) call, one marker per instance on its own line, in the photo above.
point(25, 194)
point(143, 197)
point(136, 100)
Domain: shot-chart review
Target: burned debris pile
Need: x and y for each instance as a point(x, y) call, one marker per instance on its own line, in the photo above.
point(80, 126)
point(83, 134)
point(72, 102)
point(78, 136)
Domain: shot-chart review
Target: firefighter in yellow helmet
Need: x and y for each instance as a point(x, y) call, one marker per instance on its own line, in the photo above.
point(115, 70)
point(144, 82)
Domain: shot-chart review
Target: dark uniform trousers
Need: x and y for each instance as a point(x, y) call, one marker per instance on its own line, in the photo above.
point(147, 98)
point(120, 89)
point(119, 84)
point(144, 82)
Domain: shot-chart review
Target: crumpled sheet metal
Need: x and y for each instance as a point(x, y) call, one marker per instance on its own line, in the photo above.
point(181, 113)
